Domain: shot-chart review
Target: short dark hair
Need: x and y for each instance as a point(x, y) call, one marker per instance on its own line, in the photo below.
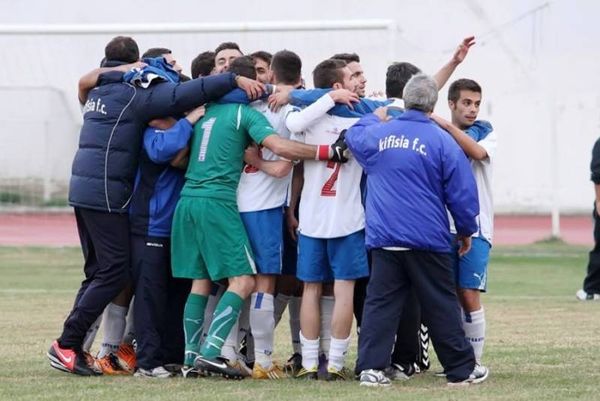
point(122, 48)
point(328, 72)
point(203, 64)
point(243, 66)
point(347, 57)
point(227, 45)
point(460, 85)
point(396, 77)
point(156, 52)
point(287, 67)
point(263, 55)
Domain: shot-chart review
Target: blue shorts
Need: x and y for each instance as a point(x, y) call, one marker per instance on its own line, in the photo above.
point(266, 238)
point(470, 271)
point(328, 259)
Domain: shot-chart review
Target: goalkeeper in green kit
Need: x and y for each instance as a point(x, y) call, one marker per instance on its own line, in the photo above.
point(209, 241)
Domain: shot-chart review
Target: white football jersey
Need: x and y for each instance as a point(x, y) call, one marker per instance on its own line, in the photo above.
point(330, 204)
point(483, 172)
point(257, 190)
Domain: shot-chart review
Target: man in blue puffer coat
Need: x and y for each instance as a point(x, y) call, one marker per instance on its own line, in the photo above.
point(115, 115)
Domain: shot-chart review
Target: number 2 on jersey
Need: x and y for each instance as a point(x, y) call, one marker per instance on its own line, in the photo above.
point(328, 189)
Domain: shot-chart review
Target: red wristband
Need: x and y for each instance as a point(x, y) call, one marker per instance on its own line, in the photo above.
point(322, 152)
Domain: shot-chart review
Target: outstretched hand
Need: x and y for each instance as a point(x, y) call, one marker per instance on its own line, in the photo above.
point(463, 49)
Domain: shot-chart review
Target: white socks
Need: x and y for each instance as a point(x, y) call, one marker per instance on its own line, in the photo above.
point(280, 303)
point(114, 327)
point(262, 324)
point(337, 352)
point(230, 346)
point(294, 311)
point(327, 303)
point(90, 336)
point(310, 353)
point(474, 327)
point(129, 335)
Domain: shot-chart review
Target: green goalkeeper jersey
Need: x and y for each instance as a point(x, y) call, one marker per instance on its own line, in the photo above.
point(217, 149)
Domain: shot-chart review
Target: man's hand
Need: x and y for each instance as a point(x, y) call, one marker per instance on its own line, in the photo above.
point(252, 155)
point(340, 149)
point(194, 115)
point(280, 98)
point(344, 96)
point(292, 223)
point(463, 49)
point(253, 89)
point(381, 113)
point(598, 208)
point(442, 122)
point(131, 66)
point(465, 245)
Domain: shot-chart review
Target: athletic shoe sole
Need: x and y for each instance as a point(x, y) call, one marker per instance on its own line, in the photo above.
point(58, 365)
point(221, 368)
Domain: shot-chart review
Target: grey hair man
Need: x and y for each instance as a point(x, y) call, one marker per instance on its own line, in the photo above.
point(408, 232)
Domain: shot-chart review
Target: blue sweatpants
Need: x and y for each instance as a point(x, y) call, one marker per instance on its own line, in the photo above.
point(393, 275)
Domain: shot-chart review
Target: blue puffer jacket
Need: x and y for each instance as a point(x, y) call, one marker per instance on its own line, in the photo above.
point(115, 116)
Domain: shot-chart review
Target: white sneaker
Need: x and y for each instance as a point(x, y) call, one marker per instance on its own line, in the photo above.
point(584, 296)
point(159, 372)
point(374, 378)
point(479, 375)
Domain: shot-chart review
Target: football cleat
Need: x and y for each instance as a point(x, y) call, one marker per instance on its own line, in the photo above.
point(323, 365)
point(242, 367)
point(273, 373)
point(189, 372)
point(397, 371)
point(159, 373)
point(126, 357)
point(307, 374)
point(110, 366)
point(479, 375)
point(293, 365)
point(374, 378)
point(217, 366)
point(70, 361)
point(333, 374)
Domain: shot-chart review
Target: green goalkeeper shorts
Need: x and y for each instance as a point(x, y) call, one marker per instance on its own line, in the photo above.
point(208, 240)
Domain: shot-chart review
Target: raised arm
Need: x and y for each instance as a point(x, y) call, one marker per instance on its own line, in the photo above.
point(442, 76)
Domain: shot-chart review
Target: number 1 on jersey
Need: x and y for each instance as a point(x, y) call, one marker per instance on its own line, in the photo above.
point(207, 127)
point(328, 189)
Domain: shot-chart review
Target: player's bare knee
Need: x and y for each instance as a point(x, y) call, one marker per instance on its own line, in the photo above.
point(314, 290)
point(265, 283)
point(242, 285)
point(470, 299)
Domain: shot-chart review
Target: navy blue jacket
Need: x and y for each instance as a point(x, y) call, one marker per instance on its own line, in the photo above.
point(158, 184)
point(115, 116)
point(415, 171)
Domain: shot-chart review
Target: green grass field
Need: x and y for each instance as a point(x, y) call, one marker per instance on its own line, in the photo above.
point(541, 342)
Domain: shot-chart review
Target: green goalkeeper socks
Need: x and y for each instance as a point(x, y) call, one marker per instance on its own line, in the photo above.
point(225, 316)
point(193, 319)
